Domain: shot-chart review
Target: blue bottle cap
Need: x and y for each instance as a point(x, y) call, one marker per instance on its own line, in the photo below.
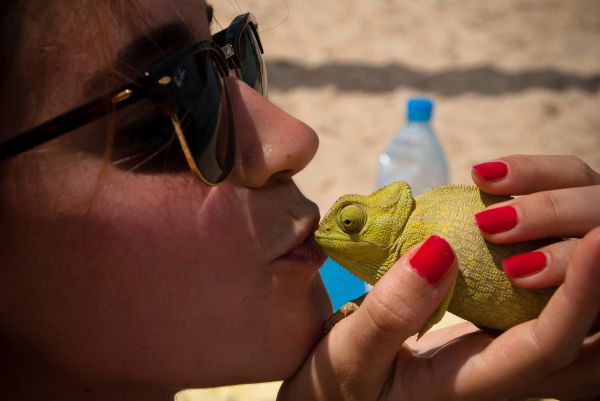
point(419, 109)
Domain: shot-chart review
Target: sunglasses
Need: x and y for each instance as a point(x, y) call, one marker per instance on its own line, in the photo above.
point(189, 86)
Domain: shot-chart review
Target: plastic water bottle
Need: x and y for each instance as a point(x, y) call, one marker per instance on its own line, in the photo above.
point(415, 154)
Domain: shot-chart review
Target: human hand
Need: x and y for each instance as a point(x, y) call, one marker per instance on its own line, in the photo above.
point(561, 198)
point(365, 356)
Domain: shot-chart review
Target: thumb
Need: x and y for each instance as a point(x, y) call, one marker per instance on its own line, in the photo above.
point(398, 306)
point(355, 359)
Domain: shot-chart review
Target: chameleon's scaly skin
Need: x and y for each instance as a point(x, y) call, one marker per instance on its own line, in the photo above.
point(391, 222)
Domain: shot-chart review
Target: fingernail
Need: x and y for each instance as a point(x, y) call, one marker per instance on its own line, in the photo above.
point(433, 259)
point(524, 264)
point(496, 220)
point(491, 170)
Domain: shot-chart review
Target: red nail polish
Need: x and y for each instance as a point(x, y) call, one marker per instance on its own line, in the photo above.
point(491, 170)
point(497, 220)
point(433, 259)
point(524, 264)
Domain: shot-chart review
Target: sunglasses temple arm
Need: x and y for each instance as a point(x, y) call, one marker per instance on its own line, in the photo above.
point(67, 122)
point(186, 150)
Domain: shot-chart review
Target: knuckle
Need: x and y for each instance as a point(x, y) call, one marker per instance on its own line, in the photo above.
point(392, 314)
point(582, 169)
point(550, 356)
point(551, 205)
point(560, 254)
point(576, 162)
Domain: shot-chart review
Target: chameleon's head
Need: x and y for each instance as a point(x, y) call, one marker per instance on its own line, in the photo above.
point(361, 233)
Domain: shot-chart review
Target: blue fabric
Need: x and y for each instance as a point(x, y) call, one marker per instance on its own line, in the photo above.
point(341, 285)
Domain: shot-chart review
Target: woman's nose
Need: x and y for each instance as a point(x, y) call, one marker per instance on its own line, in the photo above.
point(271, 144)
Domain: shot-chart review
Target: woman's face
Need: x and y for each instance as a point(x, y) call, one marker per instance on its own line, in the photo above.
point(152, 276)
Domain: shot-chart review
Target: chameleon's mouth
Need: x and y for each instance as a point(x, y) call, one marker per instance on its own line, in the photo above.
point(331, 242)
point(327, 239)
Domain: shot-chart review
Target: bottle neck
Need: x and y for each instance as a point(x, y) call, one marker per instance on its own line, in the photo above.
point(419, 123)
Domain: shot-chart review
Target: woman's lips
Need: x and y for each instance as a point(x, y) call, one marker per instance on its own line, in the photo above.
point(307, 252)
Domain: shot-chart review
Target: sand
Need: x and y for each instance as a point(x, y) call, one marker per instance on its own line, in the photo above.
point(507, 76)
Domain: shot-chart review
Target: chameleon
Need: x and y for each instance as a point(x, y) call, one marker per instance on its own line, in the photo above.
point(367, 234)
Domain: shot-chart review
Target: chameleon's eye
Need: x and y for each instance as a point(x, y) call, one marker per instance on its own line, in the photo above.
point(352, 219)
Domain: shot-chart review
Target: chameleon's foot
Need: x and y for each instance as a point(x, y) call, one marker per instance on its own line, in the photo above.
point(346, 310)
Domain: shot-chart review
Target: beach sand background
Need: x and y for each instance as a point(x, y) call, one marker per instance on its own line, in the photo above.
point(507, 76)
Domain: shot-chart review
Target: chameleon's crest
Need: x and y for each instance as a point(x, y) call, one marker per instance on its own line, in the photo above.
point(360, 232)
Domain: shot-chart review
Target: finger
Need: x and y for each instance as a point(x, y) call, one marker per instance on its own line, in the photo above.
point(558, 213)
point(396, 308)
point(520, 174)
point(532, 350)
point(542, 268)
point(355, 358)
point(579, 380)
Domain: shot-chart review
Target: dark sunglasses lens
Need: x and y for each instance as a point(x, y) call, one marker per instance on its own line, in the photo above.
point(252, 69)
point(206, 118)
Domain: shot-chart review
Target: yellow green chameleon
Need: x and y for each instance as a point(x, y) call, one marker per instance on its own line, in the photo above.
point(367, 234)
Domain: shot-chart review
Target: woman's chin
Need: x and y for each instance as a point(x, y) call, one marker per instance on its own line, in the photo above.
point(302, 344)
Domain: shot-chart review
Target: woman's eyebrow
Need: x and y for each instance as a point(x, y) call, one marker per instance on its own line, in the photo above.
point(142, 51)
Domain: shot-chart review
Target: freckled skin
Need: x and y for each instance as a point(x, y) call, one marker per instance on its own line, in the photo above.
point(392, 222)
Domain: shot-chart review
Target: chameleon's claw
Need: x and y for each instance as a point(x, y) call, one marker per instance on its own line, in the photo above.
point(345, 311)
